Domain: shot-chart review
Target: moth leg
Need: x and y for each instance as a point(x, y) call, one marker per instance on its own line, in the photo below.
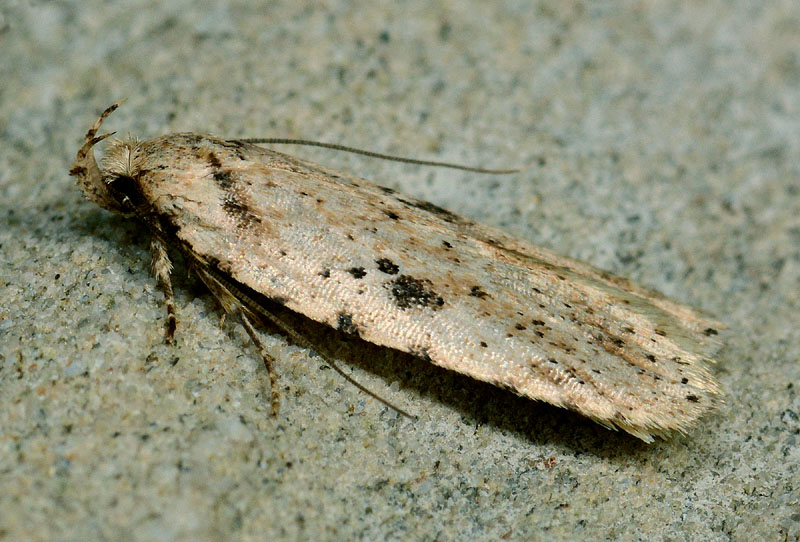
point(269, 362)
point(230, 304)
point(162, 267)
point(233, 299)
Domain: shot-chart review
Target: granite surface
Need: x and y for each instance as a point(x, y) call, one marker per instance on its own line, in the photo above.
point(658, 139)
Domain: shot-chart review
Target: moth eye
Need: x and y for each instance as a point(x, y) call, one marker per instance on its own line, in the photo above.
point(126, 191)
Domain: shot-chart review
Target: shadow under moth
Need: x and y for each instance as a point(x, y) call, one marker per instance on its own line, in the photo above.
point(400, 272)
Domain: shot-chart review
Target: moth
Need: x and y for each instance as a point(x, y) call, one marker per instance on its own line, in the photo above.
point(263, 229)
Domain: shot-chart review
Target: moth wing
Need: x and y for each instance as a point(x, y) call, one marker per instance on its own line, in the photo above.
point(407, 274)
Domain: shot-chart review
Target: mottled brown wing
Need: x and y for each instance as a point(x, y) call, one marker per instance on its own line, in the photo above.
point(407, 274)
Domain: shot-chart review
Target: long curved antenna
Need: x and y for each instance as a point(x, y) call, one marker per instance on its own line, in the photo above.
point(354, 150)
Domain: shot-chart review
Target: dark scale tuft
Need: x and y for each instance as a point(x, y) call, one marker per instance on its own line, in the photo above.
point(345, 323)
point(411, 292)
point(224, 179)
point(476, 291)
point(357, 272)
point(444, 214)
point(213, 161)
point(240, 211)
point(386, 265)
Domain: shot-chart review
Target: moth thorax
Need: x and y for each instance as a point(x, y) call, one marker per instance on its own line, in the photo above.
point(121, 159)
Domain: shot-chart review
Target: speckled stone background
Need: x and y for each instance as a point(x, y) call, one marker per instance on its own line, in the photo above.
point(659, 140)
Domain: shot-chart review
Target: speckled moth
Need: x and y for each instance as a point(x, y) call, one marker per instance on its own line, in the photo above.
point(260, 227)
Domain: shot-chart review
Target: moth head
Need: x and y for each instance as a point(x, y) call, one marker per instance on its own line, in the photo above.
point(114, 187)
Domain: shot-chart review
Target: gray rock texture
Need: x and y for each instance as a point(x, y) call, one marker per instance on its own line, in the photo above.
point(658, 140)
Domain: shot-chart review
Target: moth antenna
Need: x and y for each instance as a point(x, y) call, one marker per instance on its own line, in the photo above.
point(354, 150)
point(85, 168)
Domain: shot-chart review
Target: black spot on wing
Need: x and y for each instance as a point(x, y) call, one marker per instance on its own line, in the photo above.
point(239, 210)
point(213, 161)
point(386, 265)
point(357, 272)
point(429, 207)
point(408, 292)
point(476, 291)
point(344, 322)
point(224, 179)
